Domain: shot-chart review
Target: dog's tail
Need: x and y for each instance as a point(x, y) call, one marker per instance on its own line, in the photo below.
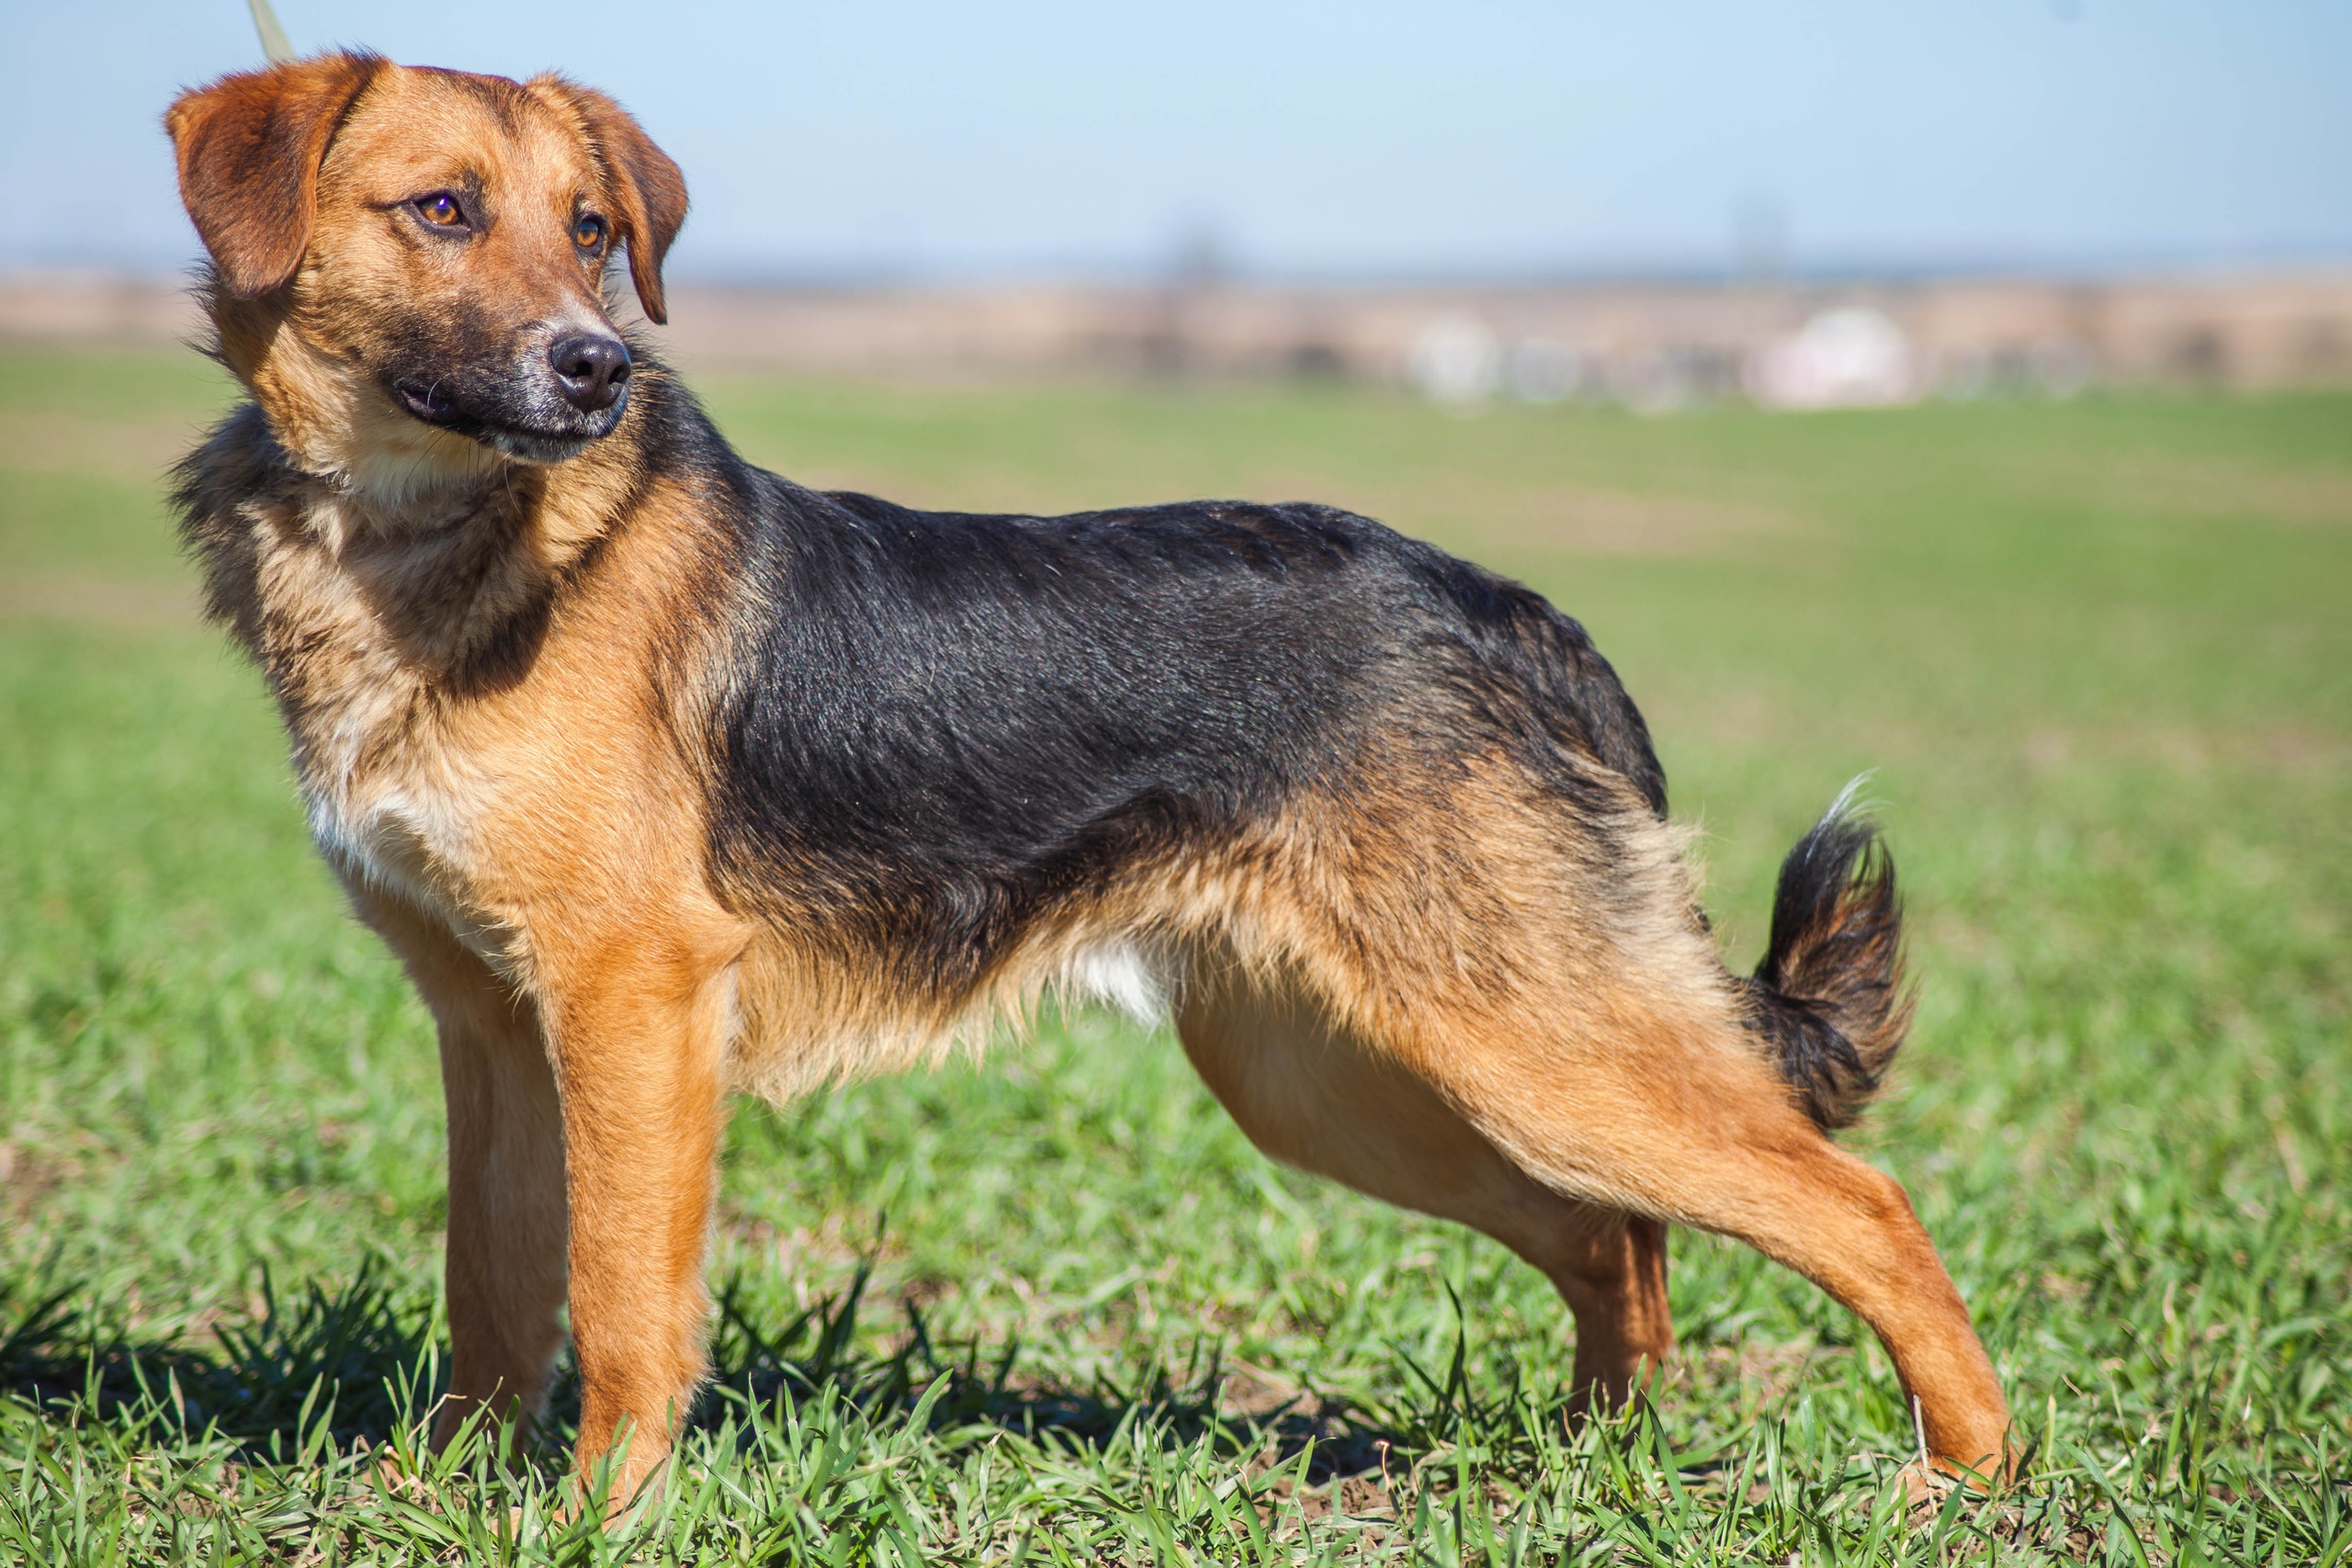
point(1828, 999)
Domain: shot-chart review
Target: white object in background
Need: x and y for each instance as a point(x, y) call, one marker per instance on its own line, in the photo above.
point(1455, 359)
point(1851, 357)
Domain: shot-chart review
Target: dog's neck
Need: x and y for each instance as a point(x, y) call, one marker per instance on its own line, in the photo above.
point(436, 568)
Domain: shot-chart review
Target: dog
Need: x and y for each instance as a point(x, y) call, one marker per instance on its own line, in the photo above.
point(666, 777)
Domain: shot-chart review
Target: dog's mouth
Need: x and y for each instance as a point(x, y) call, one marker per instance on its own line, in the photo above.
point(429, 402)
point(435, 403)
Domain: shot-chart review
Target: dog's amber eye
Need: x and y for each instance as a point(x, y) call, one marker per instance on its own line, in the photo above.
point(588, 231)
point(441, 210)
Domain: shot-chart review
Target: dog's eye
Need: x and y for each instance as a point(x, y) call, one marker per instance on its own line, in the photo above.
point(588, 231)
point(440, 210)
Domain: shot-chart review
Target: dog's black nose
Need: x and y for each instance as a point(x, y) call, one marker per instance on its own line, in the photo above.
point(592, 370)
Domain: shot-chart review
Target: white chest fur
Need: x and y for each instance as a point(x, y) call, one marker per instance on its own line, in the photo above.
point(394, 804)
point(369, 586)
point(387, 817)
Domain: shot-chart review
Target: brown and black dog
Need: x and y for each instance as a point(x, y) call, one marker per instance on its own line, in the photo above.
point(665, 776)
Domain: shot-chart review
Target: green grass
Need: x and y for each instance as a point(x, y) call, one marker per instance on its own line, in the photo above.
point(1055, 1305)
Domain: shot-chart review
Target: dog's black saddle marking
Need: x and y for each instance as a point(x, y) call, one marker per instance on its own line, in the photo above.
point(937, 722)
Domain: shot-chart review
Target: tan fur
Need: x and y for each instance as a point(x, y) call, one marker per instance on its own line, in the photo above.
point(1434, 989)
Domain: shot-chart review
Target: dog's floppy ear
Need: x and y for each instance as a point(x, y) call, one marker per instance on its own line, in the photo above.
point(648, 188)
point(249, 146)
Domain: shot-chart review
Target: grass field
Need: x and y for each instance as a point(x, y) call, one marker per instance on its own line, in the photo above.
point(1053, 1307)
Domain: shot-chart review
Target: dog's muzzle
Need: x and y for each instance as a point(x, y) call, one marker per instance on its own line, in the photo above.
point(543, 410)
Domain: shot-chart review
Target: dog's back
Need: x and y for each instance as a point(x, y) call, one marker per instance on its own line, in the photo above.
point(954, 723)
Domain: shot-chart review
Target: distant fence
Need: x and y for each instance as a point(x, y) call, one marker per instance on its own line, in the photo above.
point(1649, 345)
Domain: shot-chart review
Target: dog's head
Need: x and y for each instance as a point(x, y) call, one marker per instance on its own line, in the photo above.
point(410, 265)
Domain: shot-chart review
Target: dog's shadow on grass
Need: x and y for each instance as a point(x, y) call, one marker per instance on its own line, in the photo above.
point(355, 1363)
point(345, 1362)
point(978, 1384)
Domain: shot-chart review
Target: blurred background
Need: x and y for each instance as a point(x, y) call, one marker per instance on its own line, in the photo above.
point(1957, 389)
point(1838, 202)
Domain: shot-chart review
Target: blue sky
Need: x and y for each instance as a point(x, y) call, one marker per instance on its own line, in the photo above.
point(1032, 137)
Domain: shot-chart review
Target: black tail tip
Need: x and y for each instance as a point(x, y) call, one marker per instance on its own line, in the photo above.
point(1829, 995)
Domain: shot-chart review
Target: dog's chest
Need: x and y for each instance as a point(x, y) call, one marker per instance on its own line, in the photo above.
point(393, 807)
point(397, 801)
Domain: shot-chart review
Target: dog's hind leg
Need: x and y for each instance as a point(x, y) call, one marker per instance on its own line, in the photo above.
point(504, 1267)
point(1678, 1116)
point(1312, 1095)
point(1611, 1272)
point(1546, 977)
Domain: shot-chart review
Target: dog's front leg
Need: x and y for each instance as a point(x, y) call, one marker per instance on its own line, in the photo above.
point(505, 1268)
point(506, 1248)
point(639, 1040)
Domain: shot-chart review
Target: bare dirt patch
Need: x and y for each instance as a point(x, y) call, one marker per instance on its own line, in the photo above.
point(1622, 523)
point(2216, 489)
point(97, 601)
point(107, 448)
